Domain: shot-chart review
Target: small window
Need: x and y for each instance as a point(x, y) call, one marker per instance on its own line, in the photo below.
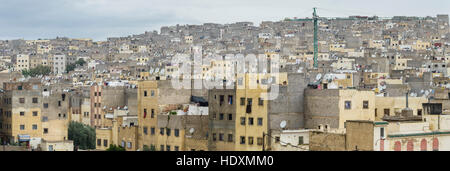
point(230, 137)
point(381, 132)
point(365, 104)
point(45, 130)
point(260, 101)
point(22, 100)
point(260, 121)
point(242, 101)
point(230, 117)
point(386, 112)
point(35, 113)
point(250, 140)
point(161, 131)
point(221, 137)
point(300, 140)
point(242, 120)
point(242, 140)
point(22, 113)
point(35, 127)
point(22, 127)
point(177, 133)
point(419, 112)
point(145, 93)
point(348, 104)
point(250, 121)
point(35, 100)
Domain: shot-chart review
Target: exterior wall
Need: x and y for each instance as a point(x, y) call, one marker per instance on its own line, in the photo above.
point(357, 111)
point(128, 138)
point(147, 103)
point(396, 104)
point(170, 142)
point(224, 126)
point(103, 134)
point(359, 136)
point(325, 141)
point(321, 107)
point(57, 146)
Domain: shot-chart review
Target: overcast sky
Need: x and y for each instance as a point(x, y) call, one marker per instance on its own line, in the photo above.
point(99, 19)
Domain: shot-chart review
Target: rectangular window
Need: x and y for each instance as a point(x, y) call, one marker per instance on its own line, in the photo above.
point(214, 137)
point(230, 99)
point(153, 113)
point(260, 101)
point(145, 130)
point(221, 116)
point(35, 127)
point(242, 120)
point(365, 104)
point(168, 131)
point(221, 99)
point(250, 140)
point(168, 147)
point(152, 131)
point(35, 113)
point(35, 100)
point(45, 130)
point(152, 93)
point(300, 140)
point(230, 117)
point(221, 137)
point(386, 112)
point(161, 131)
point(145, 113)
point(260, 121)
point(99, 142)
point(161, 148)
point(177, 133)
point(348, 104)
point(177, 148)
point(130, 145)
point(250, 121)
point(381, 132)
point(145, 93)
point(242, 140)
point(105, 143)
point(22, 113)
point(242, 101)
point(260, 141)
point(22, 100)
point(22, 127)
point(419, 112)
point(230, 137)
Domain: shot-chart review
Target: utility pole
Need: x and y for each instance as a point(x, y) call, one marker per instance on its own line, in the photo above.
point(316, 43)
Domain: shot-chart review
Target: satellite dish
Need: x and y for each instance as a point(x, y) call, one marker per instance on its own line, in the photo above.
point(283, 124)
point(319, 76)
point(191, 130)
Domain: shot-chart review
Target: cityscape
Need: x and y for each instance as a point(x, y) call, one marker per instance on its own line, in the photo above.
point(312, 83)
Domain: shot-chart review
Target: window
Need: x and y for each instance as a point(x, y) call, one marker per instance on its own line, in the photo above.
point(19, 87)
point(242, 140)
point(230, 99)
point(386, 112)
point(260, 101)
point(221, 137)
point(242, 120)
point(22, 100)
point(277, 139)
point(419, 112)
point(35, 127)
point(250, 140)
point(95, 93)
point(168, 131)
point(365, 104)
point(214, 137)
point(249, 101)
point(152, 131)
point(145, 93)
point(105, 143)
point(22, 113)
point(221, 99)
point(129, 145)
point(300, 140)
point(152, 93)
point(230, 117)
point(250, 121)
point(59, 103)
point(260, 141)
point(230, 137)
point(177, 148)
point(22, 127)
point(177, 133)
point(145, 130)
point(35, 100)
point(161, 148)
point(260, 121)
point(168, 147)
point(99, 142)
point(381, 133)
point(45, 130)
point(348, 104)
point(221, 116)
point(153, 113)
point(145, 113)
point(242, 101)
point(161, 131)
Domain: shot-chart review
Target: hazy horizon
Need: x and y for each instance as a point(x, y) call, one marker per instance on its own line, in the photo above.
point(100, 19)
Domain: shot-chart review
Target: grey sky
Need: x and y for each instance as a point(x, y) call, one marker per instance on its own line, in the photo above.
point(99, 19)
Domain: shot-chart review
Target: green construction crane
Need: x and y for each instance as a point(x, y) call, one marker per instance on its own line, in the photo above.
point(316, 42)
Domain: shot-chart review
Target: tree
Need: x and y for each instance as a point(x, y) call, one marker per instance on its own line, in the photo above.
point(82, 135)
point(113, 147)
point(39, 70)
point(151, 148)
point(71, 67)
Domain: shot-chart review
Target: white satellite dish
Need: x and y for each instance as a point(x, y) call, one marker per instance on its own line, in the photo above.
point(318, 76)
point(191, 130)
point(283, 124)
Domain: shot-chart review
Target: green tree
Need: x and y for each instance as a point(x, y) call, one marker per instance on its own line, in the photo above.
point(82, 135)
point(80, 62)
point(39, 70)
point(71, 67)
point(113, 147)
point(151, 148)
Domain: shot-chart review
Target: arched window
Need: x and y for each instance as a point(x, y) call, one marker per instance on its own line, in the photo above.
point(410, 146)
point(423, 145)
point(435, 144)
point(398, 146)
